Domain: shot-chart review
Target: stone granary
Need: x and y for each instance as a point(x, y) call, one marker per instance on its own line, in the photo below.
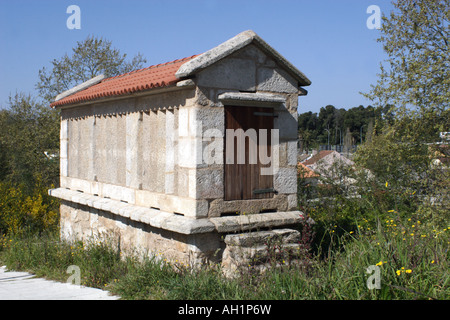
point(181, 158)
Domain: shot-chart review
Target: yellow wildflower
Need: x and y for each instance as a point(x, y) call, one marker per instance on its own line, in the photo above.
point(408, 271)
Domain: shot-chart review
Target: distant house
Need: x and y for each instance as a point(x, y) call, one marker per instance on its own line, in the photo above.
point(307, 174)
point(326, 162)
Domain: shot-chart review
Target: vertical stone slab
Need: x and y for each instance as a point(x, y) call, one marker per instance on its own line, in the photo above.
point(170, 152)
point(133, 133)
point(160, 144)
point(91, 173)
point(183, 122)
point(100, 152)
point(121, 150)
point(149, 150)
point(64, 151)
point(83, 145)
point(292, 153)
point(73, 148)
point(109, 164)
point(190, 141)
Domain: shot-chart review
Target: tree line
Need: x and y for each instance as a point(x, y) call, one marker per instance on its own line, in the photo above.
point(333, 126)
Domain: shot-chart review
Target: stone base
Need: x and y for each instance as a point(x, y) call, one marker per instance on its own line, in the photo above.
point(81, 222)
point(180, 239)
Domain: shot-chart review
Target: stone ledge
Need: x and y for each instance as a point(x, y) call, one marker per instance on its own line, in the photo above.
point(153, 217)
point(256, 221)
point(260, 238)
point(237, 98)
point(176, 223)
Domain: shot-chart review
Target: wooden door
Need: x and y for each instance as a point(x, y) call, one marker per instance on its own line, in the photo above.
point(244, 180)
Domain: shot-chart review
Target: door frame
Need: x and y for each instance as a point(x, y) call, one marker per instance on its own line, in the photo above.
point(245, 181)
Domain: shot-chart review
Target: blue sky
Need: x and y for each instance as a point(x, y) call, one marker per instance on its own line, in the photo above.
point(328, 40)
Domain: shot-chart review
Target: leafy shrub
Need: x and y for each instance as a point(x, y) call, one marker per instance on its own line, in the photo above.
point(21, 213)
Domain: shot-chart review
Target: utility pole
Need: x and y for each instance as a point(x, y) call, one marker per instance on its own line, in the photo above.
point(328, 130)
point(360, 132)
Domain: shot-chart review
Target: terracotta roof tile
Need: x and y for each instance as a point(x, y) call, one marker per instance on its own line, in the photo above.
point(160, 75)
point(305, 172)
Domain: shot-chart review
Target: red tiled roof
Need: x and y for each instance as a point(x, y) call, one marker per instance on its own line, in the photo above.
point(160, 75)
point(317, 157)
point(305, 172)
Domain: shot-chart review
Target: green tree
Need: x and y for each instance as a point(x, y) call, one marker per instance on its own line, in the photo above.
point(3, 150)
point(307, 129)
point(30, 142)
point(338, 125)
point(416, 80)
point(415, 83)
point(326, 124)
point(90, 58)
point(314, 129)
point(416, 39)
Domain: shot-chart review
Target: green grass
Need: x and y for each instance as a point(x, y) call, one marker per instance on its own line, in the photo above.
point(412, 258)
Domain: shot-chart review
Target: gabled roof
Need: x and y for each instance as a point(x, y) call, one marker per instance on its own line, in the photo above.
point(170, 73)
point(160, 75)
point(234, 44)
